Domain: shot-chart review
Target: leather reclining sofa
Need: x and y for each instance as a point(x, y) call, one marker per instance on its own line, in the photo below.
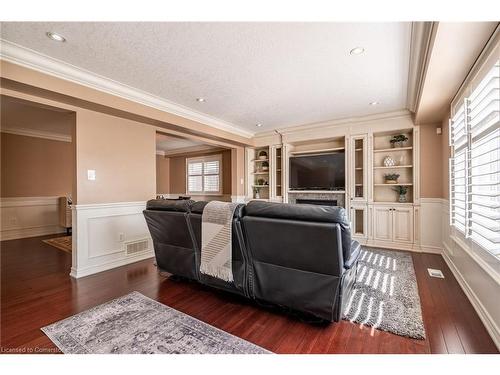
point(300, 257)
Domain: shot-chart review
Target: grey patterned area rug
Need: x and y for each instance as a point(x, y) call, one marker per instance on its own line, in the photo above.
point(385, 295)
point(137, 324)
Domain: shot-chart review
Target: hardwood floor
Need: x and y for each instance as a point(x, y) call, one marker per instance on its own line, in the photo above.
point(37, 290)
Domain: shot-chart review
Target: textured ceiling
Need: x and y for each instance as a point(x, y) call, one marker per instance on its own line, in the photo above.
point(278, 74)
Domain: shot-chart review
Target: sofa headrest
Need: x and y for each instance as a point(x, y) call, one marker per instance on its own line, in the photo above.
point(301, 212)
point(199, 206)
point(177, 205)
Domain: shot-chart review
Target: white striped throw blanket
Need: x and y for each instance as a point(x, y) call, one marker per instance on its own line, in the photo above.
point(216, 240)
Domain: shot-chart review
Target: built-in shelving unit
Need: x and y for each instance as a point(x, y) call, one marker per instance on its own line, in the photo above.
point(401, 155)
point(259, 173)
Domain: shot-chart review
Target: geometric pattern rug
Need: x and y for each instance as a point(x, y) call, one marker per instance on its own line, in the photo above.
point(385, 294)
point(62, 243)
point(136, 324)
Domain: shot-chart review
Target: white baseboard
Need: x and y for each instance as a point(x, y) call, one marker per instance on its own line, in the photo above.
point(86, 271)
point(481, 311)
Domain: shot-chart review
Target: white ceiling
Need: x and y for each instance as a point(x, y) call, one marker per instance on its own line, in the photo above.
point(169, 143)
point(277, 74)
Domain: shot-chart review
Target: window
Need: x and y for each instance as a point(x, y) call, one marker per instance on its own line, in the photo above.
point(204, 175)
point(475, 164)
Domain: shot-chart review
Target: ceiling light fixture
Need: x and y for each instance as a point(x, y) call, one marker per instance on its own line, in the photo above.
point(55, 36)
point(201, 100)
point(258, 125)
point(374, 103)
point(357, 51)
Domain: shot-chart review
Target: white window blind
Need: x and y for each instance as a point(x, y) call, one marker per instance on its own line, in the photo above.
point(203, 175)
point(475, 165)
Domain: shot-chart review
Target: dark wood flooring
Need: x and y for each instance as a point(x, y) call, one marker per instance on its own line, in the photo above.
point(36, 290)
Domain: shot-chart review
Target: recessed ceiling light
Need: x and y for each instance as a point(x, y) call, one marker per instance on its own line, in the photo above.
point(258, 125)
point(55, 36)
point(357, 51)
point(374, 103)
point(201, 100)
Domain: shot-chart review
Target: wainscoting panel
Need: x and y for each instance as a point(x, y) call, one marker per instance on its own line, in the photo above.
point(429, 223)
point(101, 232)
point(478, 279)
point(29, 217)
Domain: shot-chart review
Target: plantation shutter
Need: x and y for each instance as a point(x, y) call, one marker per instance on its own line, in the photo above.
point(484, 167)
point(458, 169)
point(203, 175)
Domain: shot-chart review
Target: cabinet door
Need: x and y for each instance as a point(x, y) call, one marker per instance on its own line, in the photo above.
point(359, 222)
point(402, 224)
point(382, 223)
point(358, 168)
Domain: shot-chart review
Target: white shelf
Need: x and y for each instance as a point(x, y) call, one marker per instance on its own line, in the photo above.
point(393, 149)
point(358, 149)
point(359, 168)
point(259, 160)
point(317, 151)
point(263, 173)
point(398, 184)
point(260, 186)
point(396, 166)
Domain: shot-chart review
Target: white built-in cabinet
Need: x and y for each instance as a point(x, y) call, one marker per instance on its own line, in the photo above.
point(377, 217)
point(393, 224)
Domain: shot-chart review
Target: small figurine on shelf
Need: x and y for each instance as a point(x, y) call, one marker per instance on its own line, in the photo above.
point(256, 193)
point(262, 155)
point(401, 190)
point(398, 140)
point(265, 166)
point(261, 182)
point(391, 178)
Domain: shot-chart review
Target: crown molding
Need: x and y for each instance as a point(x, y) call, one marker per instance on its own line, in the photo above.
point(335, 123)
point(37, 134)
point(29, 58)
point(423, 35)
point(160, 152)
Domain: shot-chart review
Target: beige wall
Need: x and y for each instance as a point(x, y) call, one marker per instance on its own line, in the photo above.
point(431, 175)
point(162, 174)
point(121, 151)
point(445, 156)
point(178, 171)
point(35, 167)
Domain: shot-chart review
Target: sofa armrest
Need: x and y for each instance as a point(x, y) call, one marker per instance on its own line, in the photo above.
point(355, 253)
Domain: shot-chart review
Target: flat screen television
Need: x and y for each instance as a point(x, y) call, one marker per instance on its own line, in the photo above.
point(318, 172)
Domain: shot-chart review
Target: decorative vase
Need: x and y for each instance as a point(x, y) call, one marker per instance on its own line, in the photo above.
point(389, 162)
point(402, 198)
point(262, 155)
